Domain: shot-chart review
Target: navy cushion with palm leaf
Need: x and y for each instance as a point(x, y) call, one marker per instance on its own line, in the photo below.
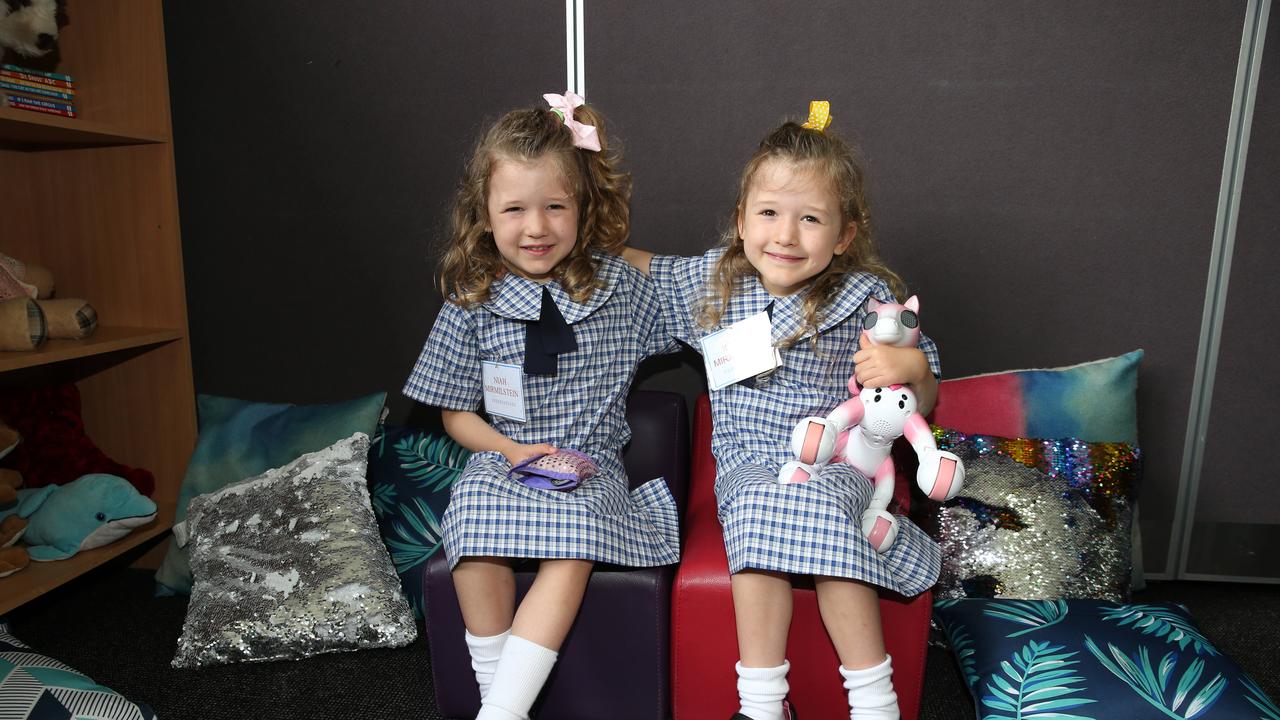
point(410, 474)
point(1080, 659)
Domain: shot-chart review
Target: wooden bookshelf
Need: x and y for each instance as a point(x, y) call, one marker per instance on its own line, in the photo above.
point(26, 130)
point(93, 198)
point(105, 340)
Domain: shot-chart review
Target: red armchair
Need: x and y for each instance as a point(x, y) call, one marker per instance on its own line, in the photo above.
point(704, 643)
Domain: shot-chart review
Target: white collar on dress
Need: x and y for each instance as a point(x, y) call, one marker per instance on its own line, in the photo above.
point(788, 312)
point(519, 298)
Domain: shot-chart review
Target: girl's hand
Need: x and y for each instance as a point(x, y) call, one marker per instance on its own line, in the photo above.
point(518, 453)
point(883, 365)
point(475, 434)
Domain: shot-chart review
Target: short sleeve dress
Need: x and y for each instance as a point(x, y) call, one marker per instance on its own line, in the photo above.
point(582, 406)
point(812, 528)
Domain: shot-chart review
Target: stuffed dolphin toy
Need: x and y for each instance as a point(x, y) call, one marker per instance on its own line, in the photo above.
point(89, 512)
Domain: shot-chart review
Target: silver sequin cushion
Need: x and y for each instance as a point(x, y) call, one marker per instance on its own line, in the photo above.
point(1017, 532)
point(290, 564)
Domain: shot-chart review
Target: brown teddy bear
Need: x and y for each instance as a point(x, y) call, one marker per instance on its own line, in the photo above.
point(10, 481)
point(12, 559)
point(29, 315)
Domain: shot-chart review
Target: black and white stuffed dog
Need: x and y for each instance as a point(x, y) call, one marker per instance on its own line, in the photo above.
point(28, 27)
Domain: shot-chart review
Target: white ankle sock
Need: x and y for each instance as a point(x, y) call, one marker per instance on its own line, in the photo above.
point(493, 712)
point(871, 695)
point(484, 657)
point(761, 690)
point(522, 670)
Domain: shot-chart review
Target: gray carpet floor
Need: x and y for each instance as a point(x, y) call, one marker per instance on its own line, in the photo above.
point(109, 626)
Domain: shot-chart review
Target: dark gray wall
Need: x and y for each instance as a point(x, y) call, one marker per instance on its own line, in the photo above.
point(317, 146)
point(1045, 176)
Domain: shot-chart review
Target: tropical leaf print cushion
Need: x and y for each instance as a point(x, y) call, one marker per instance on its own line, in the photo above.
point(1082, 659)
point(410, 474)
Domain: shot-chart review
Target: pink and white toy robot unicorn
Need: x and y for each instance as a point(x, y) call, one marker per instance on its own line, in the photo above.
point(861, 432)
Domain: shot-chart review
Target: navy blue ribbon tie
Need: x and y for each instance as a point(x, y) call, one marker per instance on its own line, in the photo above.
point(546, 338)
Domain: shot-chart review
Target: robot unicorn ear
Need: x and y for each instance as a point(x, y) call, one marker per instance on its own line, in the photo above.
point(913, 304)
point(871, 304)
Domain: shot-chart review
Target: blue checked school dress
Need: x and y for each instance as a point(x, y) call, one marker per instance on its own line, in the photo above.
point(582, 406)
point(812, 528)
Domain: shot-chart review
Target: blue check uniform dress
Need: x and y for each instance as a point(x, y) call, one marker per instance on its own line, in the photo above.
point(583, 406)
point(812, 528)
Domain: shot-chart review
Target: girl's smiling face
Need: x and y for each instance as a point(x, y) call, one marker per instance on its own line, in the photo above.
point(532, 215)
point(791, 226)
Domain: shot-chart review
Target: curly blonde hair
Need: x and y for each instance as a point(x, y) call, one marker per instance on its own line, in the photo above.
point(829, 157)
point(469, 261)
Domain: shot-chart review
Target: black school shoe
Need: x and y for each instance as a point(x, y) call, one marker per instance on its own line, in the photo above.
point(788, 713)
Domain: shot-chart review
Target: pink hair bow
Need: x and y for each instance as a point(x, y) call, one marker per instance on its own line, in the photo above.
point(584, 136)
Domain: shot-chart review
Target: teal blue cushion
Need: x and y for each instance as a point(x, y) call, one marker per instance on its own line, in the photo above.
point(1082, 659)
point(240, 439)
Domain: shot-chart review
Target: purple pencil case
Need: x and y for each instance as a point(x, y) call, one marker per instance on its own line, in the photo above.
point(561, 470)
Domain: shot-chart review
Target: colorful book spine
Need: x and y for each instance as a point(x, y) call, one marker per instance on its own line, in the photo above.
point(15, 87)
point(40, 73)
point(35, 86)
point(44, 106)
point(14, 75)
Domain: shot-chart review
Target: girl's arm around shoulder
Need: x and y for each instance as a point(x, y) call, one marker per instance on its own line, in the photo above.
point(680, 284)
point(639, 259)
point(648, 314)
point(471, 431)
point(680, 274)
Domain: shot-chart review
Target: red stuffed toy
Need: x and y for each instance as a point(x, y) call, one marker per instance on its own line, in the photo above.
point(54, 449)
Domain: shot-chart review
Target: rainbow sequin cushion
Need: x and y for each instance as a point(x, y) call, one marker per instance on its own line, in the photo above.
point(1037, 518)
point(563, 470)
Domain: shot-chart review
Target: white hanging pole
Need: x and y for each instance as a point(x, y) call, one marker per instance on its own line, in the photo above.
point(570, 32)
point(575, 65)
point(1224, 236)
point(580, 52)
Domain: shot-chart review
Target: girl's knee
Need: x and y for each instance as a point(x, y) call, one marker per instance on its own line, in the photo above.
point(566, 567)
point(479, 564)
point(568, 576)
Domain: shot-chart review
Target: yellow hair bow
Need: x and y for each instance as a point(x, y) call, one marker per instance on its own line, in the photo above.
point(819, 115)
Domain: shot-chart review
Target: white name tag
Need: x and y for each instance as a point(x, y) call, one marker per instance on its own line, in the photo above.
point(742, 350)
point(503, 390)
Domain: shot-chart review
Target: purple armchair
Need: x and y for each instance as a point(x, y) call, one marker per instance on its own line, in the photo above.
point(615, 662)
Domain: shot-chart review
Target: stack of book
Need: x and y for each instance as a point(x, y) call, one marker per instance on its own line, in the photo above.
point(39, 91)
